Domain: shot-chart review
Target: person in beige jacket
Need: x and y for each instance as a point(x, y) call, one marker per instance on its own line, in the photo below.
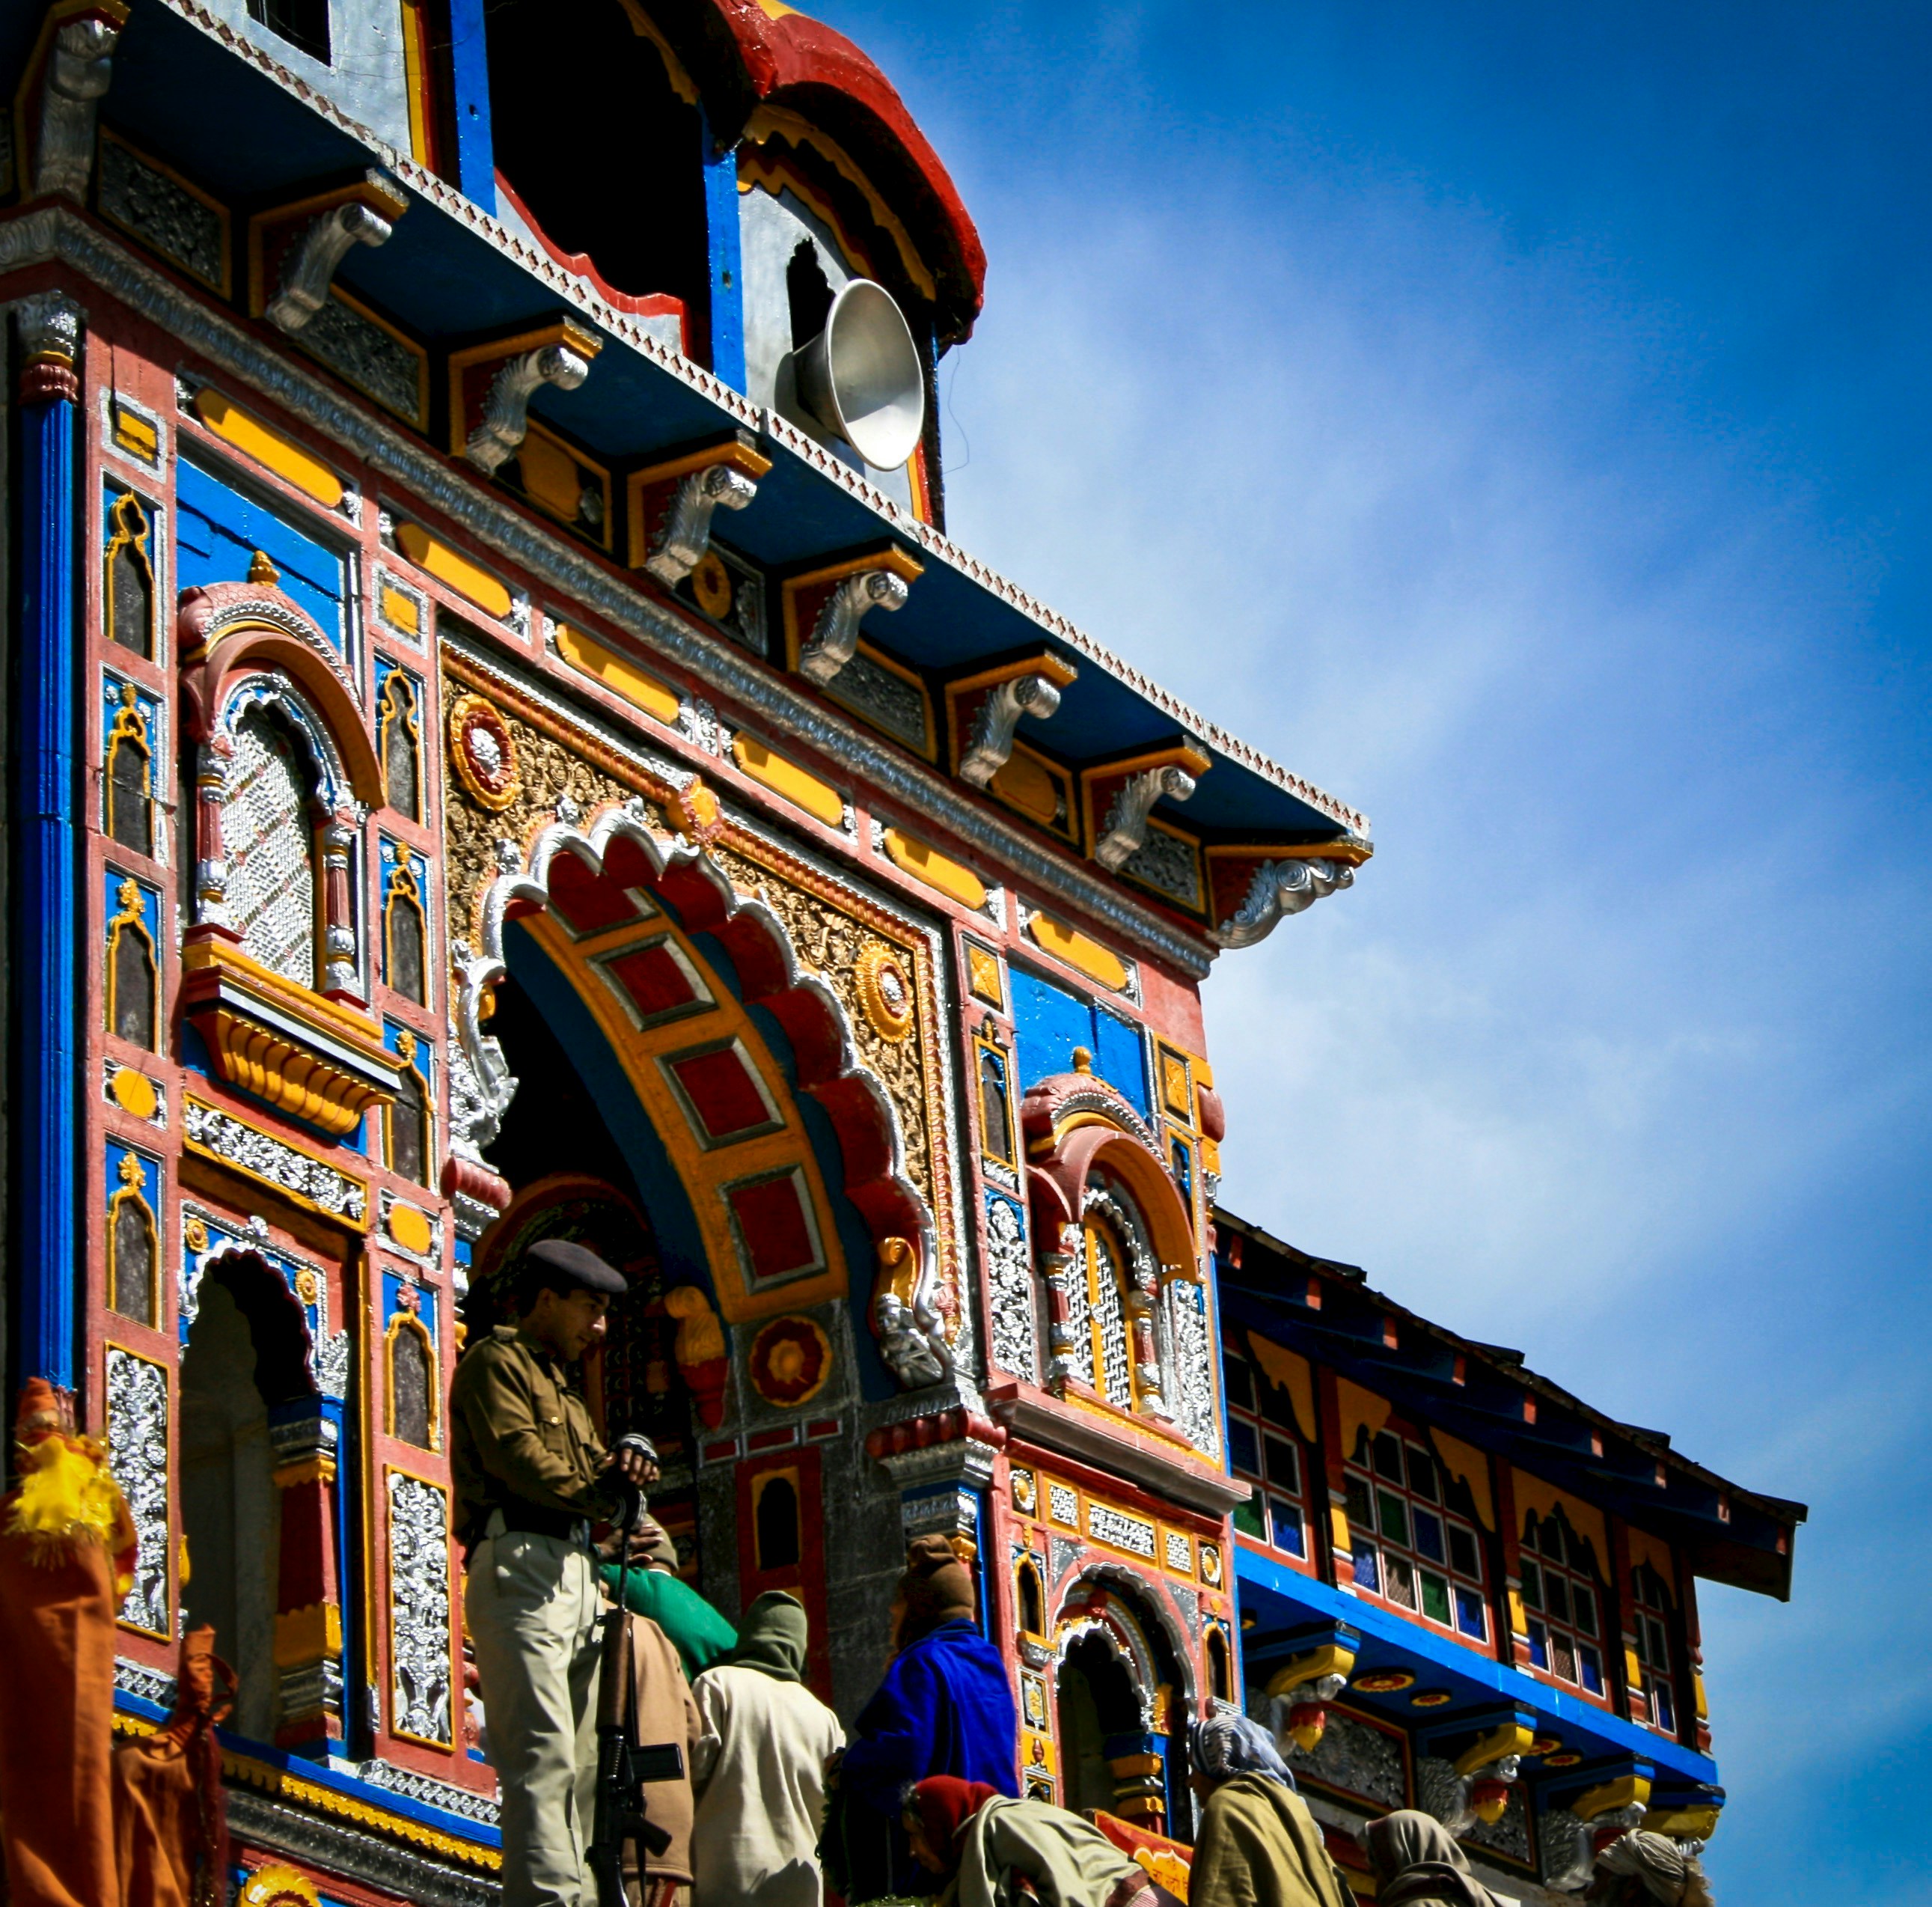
point(664, 1713)
point(759, 1771)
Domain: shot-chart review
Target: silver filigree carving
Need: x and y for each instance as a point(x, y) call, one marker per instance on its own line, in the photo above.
point(506, 410)
point(419, 1693)
point(1170, 863)
point(1279, 889)
point(49, 323)
point(363, 354)
point(78, 72)
point(1567, 1850)
point(137, 1455)
point(165, 215)
point(136, 1678)
point(685, 535)
point(1010, 1291)
point(1135, 1534)
point(1192, 1365)
point(330, 1363)
point(912, 1339)
point(481, 1083)
point(1352, 1756)
point(1509, 1833)
point(465, 1803)
point(309, 268)
point(992, 743)
point(269, 1158)
point(1125, 828)
point(700, 723)
point(834, 636)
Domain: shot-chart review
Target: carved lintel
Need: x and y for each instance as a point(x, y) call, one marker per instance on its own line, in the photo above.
point(834, 636)
point(506, 410)
point(991, 744)
point(1125, 826)
point(679, 547)
point(79, 65)
point(309, 266)
point(1279, 889)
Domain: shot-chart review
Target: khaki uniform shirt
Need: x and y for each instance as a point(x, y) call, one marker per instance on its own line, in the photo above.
point(521, 1430)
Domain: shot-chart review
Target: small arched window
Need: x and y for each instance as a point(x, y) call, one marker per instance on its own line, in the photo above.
point(132, 1246)
point(995, 1107)
point(408, 1118)
point(775, 1520)
point(133, 978)
point(127, 595)
point(1032, 1602)
point(411, 1383)
point(131, 783)
point(400, 737)
point(403, 933)
point(1219, 1679)
point(268, 831)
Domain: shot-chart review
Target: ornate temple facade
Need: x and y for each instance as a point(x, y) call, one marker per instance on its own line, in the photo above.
point(503, 746)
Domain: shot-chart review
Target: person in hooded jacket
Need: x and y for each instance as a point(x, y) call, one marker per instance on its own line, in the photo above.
point(1418, 1863)
point(1258, 1846)
point(1639, 1868)
point(758, 1768)
point(944, 1708)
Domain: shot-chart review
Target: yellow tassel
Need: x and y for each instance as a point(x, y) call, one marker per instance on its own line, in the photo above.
point(66, 1498)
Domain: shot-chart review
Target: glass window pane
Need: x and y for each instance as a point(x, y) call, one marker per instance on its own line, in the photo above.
point(1663, 1710)
point(1539, 1645)
point(1556, 1597)
point(1532, 1584)
point(1283, 1467)
point(1367, 1575)
point(1562, 1656)
point(134, 1012)
point(1551, 1538)
point(1434, 1597)
point(1429, 1535)
point(1393, 1514)
point(1583, 1609)
point(1242, 1452)
point(1590, 1668)
point(1388, 1457)
point(1472, 1618)
point(1400, 1586)
point(1462, 1552)
point(1361, 1516)
point(1239, 1381)
point(1248, 1518)
point(1422, 1473)
point(1660, 1643)
point(1288, 1532)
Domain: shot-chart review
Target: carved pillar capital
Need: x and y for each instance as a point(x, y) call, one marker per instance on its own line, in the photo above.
point(49, 325)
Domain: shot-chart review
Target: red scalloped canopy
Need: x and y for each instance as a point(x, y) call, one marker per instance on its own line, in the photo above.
point(785, 58)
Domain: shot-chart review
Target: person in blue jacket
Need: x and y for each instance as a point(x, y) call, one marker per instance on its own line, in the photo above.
point(945, 1707)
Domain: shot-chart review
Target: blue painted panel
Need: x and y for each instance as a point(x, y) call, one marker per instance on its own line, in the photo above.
point(46, 998)
point(113, 880)
point(218, 530)
point(392, 1038)
point(469, 95)
point(150, 1182)
point(1050, 1021)
point(393, 1287)
point(728, 276)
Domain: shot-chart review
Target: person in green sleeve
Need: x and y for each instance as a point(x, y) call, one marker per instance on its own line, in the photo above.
point(532, 1482)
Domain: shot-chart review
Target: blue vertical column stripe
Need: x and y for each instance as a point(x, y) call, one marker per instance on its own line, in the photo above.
point(728, 277)
point(470, 97)
point(46, 986)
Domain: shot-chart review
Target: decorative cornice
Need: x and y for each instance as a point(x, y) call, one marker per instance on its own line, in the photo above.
point(54, 233)
point(1279, 889)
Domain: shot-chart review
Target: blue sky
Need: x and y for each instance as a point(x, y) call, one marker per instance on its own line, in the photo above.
point(1513, 418)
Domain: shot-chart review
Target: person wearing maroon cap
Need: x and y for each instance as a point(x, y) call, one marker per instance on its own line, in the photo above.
point(532, 1480)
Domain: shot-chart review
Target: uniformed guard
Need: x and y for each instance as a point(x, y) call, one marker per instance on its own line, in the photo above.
point(532, 1482)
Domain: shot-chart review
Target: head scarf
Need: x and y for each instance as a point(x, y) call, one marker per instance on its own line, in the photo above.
point(1668, 1873)
point(771, 1639)
point(1417, 1860)
point(935, 1589)
point(1226, 1745)
point(944, 1805)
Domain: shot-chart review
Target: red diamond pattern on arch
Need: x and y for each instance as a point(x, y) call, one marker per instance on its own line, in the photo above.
point(655, 981)
point(721, 1094)
point(775, 1228)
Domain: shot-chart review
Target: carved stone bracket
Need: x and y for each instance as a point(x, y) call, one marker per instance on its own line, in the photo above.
point(990, 711)
point(834, 636)
point(362, 215)
point(672, 504)
point(77, 68)
point(1125, 828)
point(491, 386)
point(1278, 889)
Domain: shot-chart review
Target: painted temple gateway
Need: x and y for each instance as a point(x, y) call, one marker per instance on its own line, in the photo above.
point(501, 745)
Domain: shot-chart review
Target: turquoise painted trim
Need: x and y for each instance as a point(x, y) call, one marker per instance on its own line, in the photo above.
point(47, 986)
point(1256, 1576)
point(727, 269)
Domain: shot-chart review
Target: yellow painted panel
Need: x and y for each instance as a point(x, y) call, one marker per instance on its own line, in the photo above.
point(1024, 783)
point(410, 1228)
point(401, 612)
point(1532, 1493)
point(1644, 1548)
point(551, 475)
point(1360, 1410)
point(818, 799)
point(926, 864)
point(133, 431)
point(621, 677)
point(248, 434)
point(1087, 957)
point(134, 1092)
point(1465, 1460)
point(1290, 1371)
point(438, 559)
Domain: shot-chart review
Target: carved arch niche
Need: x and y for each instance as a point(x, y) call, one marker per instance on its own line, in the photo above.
point(1126, 1307)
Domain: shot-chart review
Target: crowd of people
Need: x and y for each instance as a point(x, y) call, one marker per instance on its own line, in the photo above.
point(770, 1804)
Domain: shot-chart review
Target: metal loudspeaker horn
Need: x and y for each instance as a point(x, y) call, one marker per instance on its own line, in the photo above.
point(861, 376)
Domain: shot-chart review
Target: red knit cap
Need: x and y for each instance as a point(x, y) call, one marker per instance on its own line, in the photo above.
point(945, 1804)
